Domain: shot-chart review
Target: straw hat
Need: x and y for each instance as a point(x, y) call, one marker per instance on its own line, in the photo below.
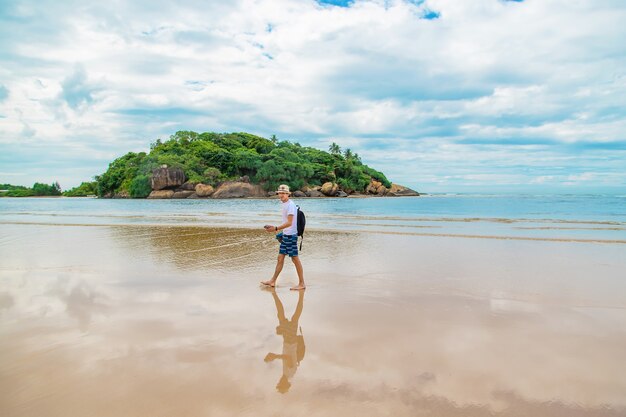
point(283, 188)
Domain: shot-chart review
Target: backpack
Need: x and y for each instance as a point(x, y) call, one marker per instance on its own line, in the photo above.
point(301, 218)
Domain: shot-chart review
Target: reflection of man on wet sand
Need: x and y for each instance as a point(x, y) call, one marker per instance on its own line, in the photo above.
point(293, 345)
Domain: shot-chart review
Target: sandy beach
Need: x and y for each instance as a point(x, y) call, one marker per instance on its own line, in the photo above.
point(114, 320)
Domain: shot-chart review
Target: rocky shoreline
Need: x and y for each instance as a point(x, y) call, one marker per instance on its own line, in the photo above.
point(170, 183)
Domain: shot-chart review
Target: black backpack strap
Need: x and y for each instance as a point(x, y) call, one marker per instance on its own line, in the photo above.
point(298, 225)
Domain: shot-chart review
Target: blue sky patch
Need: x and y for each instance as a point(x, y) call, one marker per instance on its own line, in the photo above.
point(166, 112)
point(4, 92)
point(430, 14)
point(340, 3)
point(76, 90)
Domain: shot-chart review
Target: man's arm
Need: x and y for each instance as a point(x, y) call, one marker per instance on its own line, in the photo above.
point(270, 228)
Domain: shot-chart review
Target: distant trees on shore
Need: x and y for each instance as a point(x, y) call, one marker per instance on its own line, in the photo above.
point(83, 190)
point(38, 189)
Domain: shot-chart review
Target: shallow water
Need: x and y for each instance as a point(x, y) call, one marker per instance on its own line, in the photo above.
point(599, 218)
point(157, 320)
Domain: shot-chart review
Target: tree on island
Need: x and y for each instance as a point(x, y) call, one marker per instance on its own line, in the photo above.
point(334, 149)
point(85, 189)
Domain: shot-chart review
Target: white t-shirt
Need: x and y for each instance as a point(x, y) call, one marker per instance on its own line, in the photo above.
point(290, 208)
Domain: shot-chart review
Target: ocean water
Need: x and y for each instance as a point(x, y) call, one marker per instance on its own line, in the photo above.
point(600, 218)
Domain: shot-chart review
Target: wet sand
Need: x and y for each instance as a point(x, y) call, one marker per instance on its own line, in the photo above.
point(161, 321)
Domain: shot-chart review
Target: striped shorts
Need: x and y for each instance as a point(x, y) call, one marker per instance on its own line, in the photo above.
point(289, 245)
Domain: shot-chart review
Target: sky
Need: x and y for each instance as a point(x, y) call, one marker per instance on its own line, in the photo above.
point(440, 95)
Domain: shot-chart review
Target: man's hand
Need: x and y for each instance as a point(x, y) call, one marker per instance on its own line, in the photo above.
point(269, 228)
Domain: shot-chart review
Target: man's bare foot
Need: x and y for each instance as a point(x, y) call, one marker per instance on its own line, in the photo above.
point(298, 288)
point(269, 283)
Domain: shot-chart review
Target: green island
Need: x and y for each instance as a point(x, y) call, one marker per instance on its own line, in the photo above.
point(232, 165)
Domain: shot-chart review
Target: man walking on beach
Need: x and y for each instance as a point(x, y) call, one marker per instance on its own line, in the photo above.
point(289, 241)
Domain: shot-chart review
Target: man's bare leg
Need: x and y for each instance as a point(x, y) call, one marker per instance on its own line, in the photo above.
point(279, 267)
point(298, 264)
